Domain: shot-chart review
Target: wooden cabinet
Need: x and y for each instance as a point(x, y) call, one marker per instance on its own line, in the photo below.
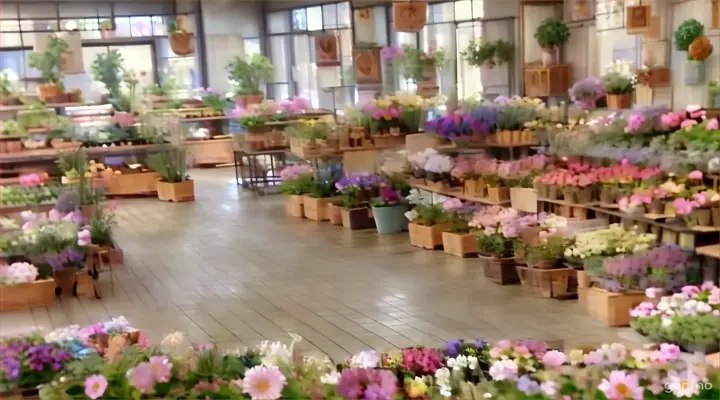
point(541, 81)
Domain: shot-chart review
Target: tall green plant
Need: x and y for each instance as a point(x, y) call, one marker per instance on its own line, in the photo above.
point(170, 165)
point(72, 163)
point(49, 62)
point(552, 32)
point(108, 69)
point(490, 53)
point(248, 75)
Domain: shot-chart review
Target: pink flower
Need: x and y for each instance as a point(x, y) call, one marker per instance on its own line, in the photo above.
point(264, 383)
point(83, 237)
point(593, 358)
point(452, 204)
point(688, 123)
point(124, 119)
point(621, 385)
point(394, 112)
point(690, 291)
point(669, 120)
point(95, 386)
point(29, 180)
point(141, 377)
point(161, 368)
point(712, 125)
point(554, 359)
point(670, 352)
point(113, 205)
point(695, 175)
point(683, 207)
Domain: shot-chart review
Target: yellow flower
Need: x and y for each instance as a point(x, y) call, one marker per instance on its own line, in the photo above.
point(383, 103)
point(88, 175)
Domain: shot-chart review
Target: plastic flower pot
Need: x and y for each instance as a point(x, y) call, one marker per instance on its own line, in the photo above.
point(619, 101)
point(694, 72)
point(390, 220)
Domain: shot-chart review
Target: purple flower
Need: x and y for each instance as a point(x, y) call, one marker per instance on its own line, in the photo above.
point(452, 347)
point(586, 92)
point(366, 383)
point(391, 53)
point(528, 386)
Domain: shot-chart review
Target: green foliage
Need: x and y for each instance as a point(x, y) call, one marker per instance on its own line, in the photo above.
point(170, 164)
point(215, 102)
point(322, 190)
point(350, 197)
point(513, 117)
point(489, 53)
point(101, 228)
point(309, 129)
point(689, 30)
point(166, 88)
point(7, 83)
point(299, 186)
point(552, 32)
point(458, 222)
point(495, 245)
point(553, 249)
point(108, 69)
point(172, 28)
point(73, 162)
point(618, 83)
point(49, 62)
point(247, 75)
point(18, 196)
point(429, 214)
point(414, 61)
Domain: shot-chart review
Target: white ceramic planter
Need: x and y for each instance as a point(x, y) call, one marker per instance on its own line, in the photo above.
point(694, 72)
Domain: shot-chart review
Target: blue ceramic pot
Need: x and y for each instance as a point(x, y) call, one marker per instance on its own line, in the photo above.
point(390, 220)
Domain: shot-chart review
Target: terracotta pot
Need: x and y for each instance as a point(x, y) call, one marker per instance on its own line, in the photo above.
point(181, 43)
point(619, 101)
point(427, 237)
point(47, 91)
point(245, 101)
point(294, 206)
point(459, 244)
point(176, 192)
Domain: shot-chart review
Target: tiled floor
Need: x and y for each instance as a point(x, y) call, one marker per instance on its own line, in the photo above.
point(233, 269)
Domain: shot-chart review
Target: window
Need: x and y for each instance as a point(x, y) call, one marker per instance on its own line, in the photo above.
point(140, 26)
point(468, 77)
point(278, 22)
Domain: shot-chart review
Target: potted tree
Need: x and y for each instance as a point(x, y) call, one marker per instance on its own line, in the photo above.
point(246, 76)
point(49, 63)
point(389, 211)
point(174, 184)
point(107, 68)
point(690, 37)
point(550, 35)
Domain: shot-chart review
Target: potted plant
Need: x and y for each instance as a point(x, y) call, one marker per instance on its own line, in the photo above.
point(8, 89)
point(49, 63)
point(389, 211)
point(417, 163)
point(586, 92)
point(497, 251)
point(620, 82)
point(101, 235)
point(437, 172)
point(174, 184)
point(181, 41)
point(415, 65)
point(22, 287)
point(296, 182)
point(316, 202)
point(247, 75)
point(214, 101)
point(488, 53)
point(107, 68)
point(550, 35)
point(426, 225)
point(107, 30)
point(546, 252)
point(690, 37)
point(356, 191)
point(457, 238)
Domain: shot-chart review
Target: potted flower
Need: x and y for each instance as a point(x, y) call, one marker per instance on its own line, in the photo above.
point(214, 101)
point(356, 191)
point(426, 225)
point(488, 53)
point(50, 65)
point(8, 89)
point(619, 82)
point(26, 369)
point(495, 235)
point(22, 287)
point(496, 191)
point(296, 182)
point(174, 184)
point(586, 92)
point(417, 163)
point(437, 171)
point(546, 252)
point(454, 127)
point(383, 120)
point(550, 35)
point(690, 37)
point(389, 211)
point(457, 238)
point(246, 75)
point(318, 199)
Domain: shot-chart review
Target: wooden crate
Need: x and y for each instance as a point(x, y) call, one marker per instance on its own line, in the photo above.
point(316, 209)
point(500, 270)
point(294, 206)
point(613, 309)
point(27, 295)
point(459, 245)
point(214, 151)
point(523, 199)
point(427, 237)
point(548, 283)
point(132, 183)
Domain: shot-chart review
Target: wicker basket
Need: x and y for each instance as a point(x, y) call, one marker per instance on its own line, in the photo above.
point(181, 43)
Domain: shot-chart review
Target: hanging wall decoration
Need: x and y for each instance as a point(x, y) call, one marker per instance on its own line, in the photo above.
point(638, 19)
point(326, 49)
point(409, 15)
point(181, 39)
point(364, 25)
point(366, 62)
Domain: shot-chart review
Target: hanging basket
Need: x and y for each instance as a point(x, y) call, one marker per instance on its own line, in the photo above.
point(181, 43)
point(409, 16)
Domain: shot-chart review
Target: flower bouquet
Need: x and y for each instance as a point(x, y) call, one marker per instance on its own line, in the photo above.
point(689, 318)
point(389, 211)
point(457, 239)
point(296, 181)
point(427, 222)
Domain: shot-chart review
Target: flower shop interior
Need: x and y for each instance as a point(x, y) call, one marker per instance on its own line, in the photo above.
point(365, 199)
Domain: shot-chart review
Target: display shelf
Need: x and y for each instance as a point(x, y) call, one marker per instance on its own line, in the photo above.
point(712, 250)
point(460, 195)
point(51, 154)
point(202, 119)
point(51, 105)
point(566, 203)
point(674, 225)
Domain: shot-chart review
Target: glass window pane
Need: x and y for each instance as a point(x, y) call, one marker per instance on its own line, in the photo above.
point(442, 12)
point(469, 77)
point(329, 16)
point(10, 40)
point(28, 39)
point(158, 26)
point(343, 15)
point(33, 10)
point(463, 10)
point(90, 35)
point(39, 25)
point(278, 22)
point(304, 74)
point(8, 11)
point(346, 43)
point(442, 36)
point(299, 20)
point(90, 53)
point(279, 57)
point(141, 26)
point(314, 19)
point(251, 47)
point(478, 7)
point(122, 27)
point(9, 26)
point(140, 58)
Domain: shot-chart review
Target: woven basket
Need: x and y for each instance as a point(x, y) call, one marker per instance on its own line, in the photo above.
point(181, 43)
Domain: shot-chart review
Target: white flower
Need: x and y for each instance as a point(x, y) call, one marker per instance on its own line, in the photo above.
point(703, 308)
point(18, 273)
point(550, 388)
point(411, 215)
point(331, 378)
point(666, 322)
point(472, 362)
point(365, 359)
point(442, 379)
point(65, 334)
point(274, 353)
point(504, 370)
point(683, 384)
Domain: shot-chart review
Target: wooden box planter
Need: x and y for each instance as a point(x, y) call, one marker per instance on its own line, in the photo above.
point(655, 77)
point(316, 209)
point(65, 280)
point(474, 187)
point(613, 309)
point(427, 237)
point(211, 152)
point(547, 283)
point(177, 192)
point(335, 214)
point(545, 81)
point(501, 270)
point(21, 394)
point(294, 206)
point(583, 279)
point(619, 101)
point(461, 245)
point(498, 194)
point(27, 295)
point(357, 218)
point(132, 183)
